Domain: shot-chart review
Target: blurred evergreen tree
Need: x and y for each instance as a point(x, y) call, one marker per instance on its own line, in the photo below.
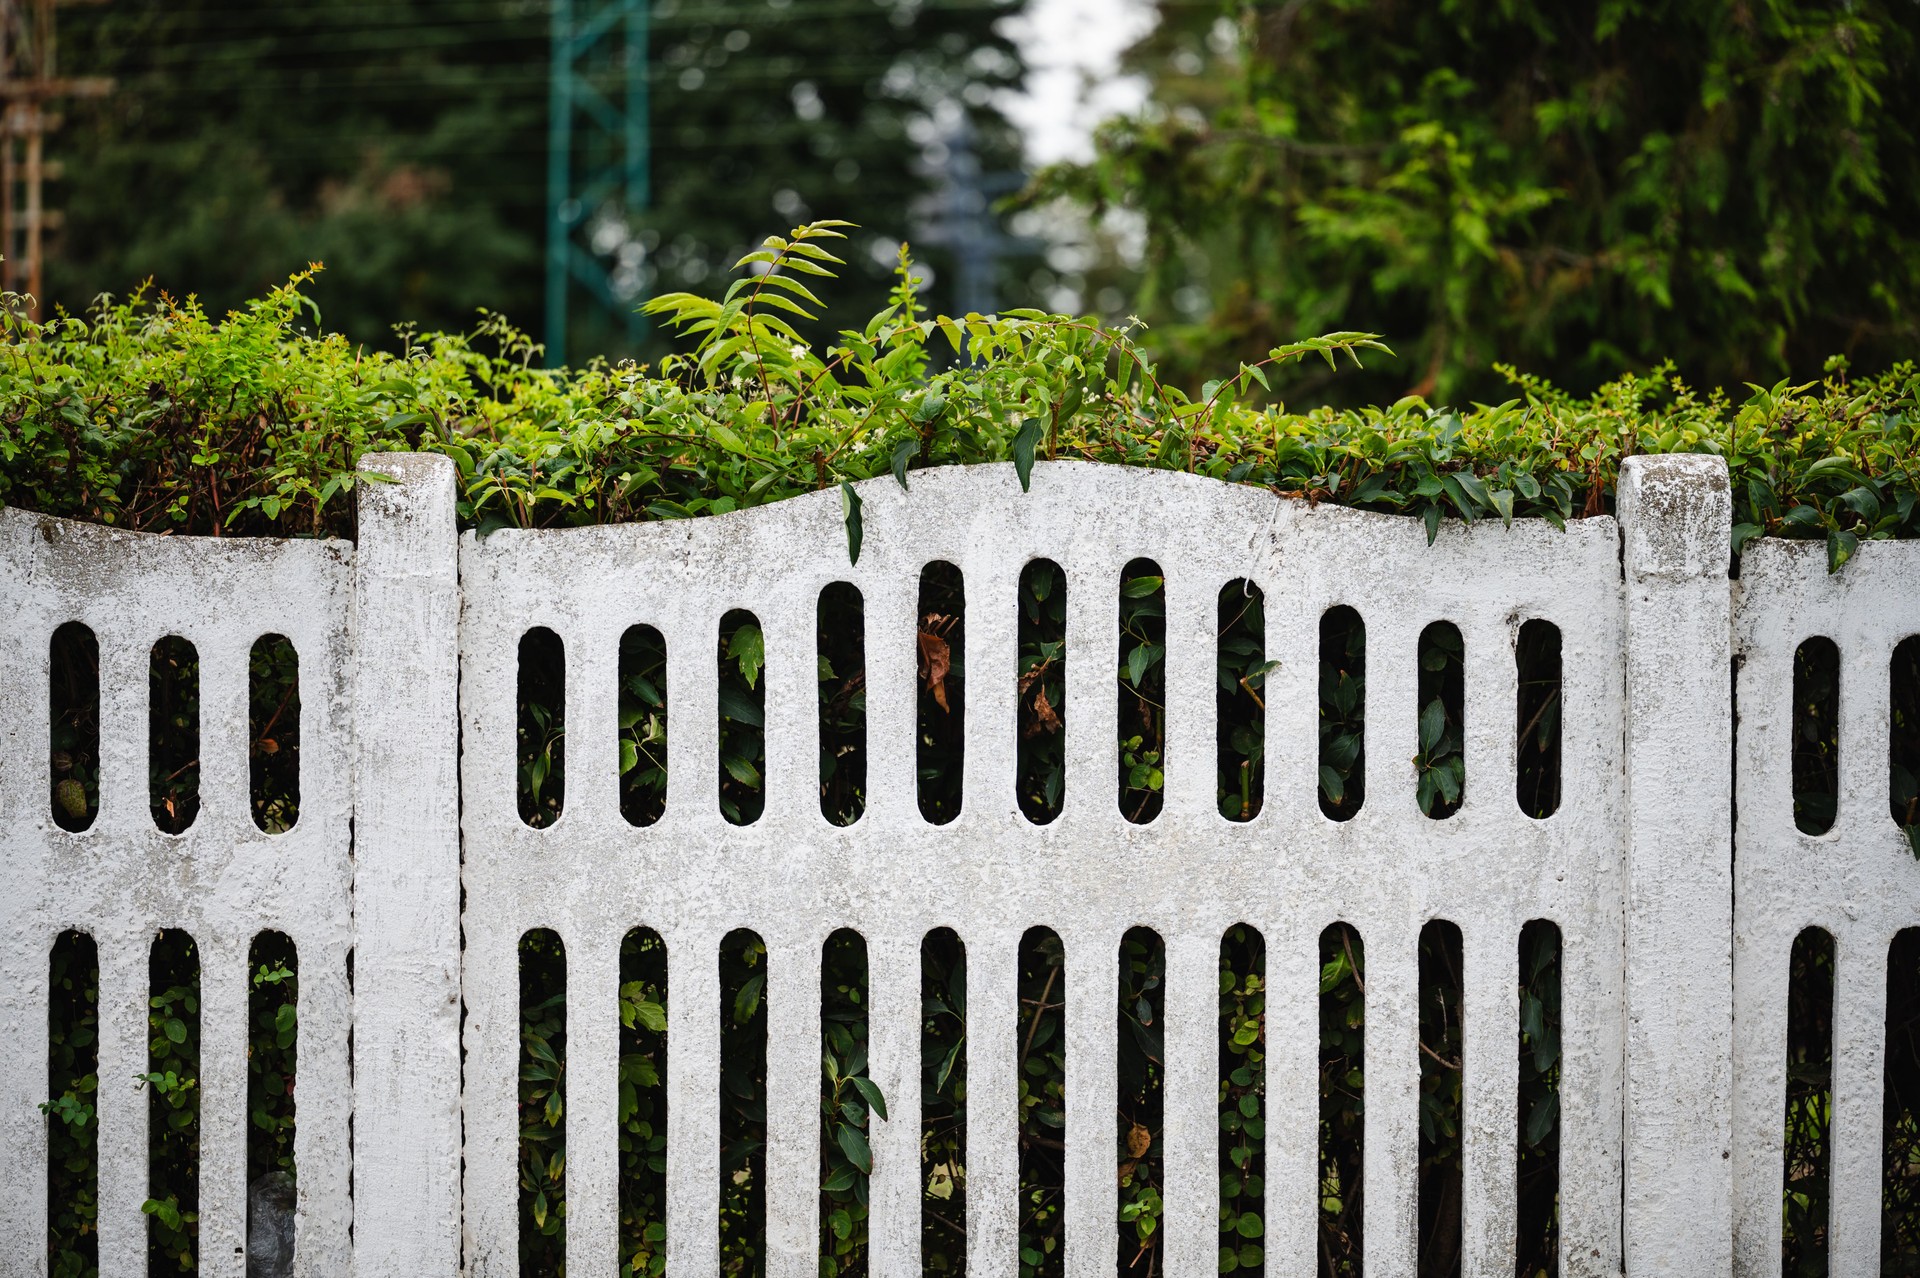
point(403, 143)
point(1573, 186)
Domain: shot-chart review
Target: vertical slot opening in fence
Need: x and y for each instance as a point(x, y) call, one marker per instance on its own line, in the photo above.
point(1900, 1114)
point(1903, 739)
point(943, 1107)
point(1243, 1099)
point(542, 735)
point(73, 1123)
point(543, 1104)
point(273, 1020)
point(1440, 766)
point(743, 718)
point(173, 734)
point(1043, 1114)
point(1042, 690)
point(273, 732)
point(1441, 1036)
point(1240, 701)
point(1343, 1007)
point(1140, 1068)
point(643, 725)
point(1143, 690)
point(940, 725)
point(1537, 1185)
point(172, 1082)
point(1343, 712)
point(743, 1103)
point(1536, 785)
point(841, 639)
point(643, 1102)
point(73, 705)
point(846, 1098)
point(1806, 1150)
point(1816, 734)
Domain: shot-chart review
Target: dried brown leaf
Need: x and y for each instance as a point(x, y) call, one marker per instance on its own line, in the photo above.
point(1044, 717)
point(936, 660)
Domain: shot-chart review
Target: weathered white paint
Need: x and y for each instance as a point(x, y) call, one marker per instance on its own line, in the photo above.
point(1676, 513)
point(418, 626)
point(1859, 881)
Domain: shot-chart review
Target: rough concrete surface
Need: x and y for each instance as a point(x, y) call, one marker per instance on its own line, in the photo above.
point(410, 850)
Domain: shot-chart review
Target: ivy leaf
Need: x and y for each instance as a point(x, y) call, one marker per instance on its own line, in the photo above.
point(748, 648)
point(651, 1015)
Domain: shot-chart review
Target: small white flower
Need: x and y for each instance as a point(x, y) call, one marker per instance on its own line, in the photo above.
point(799, 351)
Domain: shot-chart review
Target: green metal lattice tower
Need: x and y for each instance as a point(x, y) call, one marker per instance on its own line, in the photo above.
point(597, 149)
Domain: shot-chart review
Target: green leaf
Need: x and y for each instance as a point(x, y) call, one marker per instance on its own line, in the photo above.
point(747, 1001)
point(1540, 1119)
point(741, 769)
point(1433, 721)
point(871, 1093)
point(1840, 548)
point(905, 453)
point(850, 506)
point(748, 648)
point(739, 707)
point(1332, 784)
point(854, 1145)
point(1023, 445)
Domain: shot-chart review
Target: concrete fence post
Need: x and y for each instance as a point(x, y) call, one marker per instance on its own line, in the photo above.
point(406, 994)
point(1676, 521)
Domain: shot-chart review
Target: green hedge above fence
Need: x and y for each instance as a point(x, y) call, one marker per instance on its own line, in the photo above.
point(149, 414)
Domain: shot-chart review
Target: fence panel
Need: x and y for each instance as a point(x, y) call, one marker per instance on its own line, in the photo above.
point(1858, 881)
point(1089, 874)
point(222, 880)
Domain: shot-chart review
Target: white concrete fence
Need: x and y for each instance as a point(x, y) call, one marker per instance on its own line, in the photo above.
point(409, 878)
